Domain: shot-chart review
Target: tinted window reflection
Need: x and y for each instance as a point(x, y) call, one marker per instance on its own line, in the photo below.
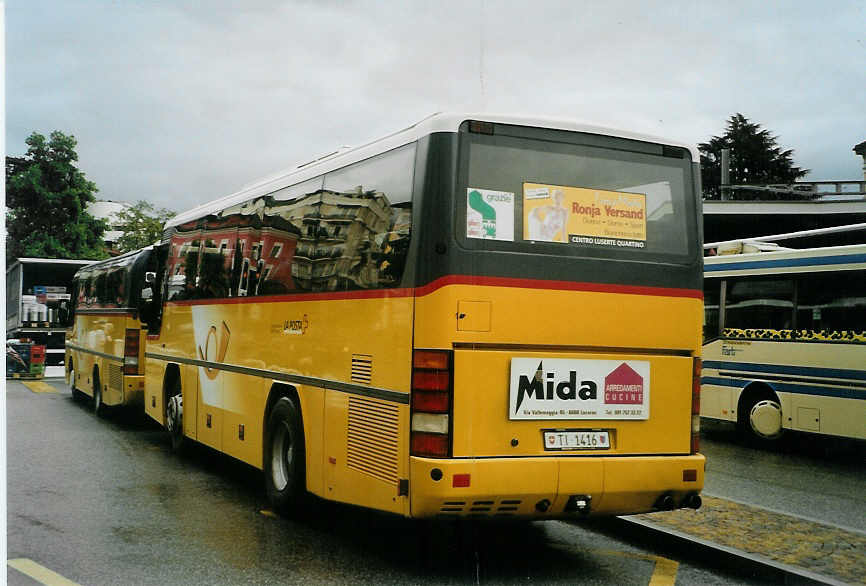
point(349, 231)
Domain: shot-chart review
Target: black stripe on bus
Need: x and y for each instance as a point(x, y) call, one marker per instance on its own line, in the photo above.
point(374, 392)
point(95, 352)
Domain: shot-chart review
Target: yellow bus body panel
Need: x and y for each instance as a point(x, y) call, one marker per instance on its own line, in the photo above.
point(355, 462)
point(260, 337)
point(482, 427)
point(549, 317)
point(96, 344)
point(505, 458)
point(509, 487)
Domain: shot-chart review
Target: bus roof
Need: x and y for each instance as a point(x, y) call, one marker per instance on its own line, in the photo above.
point(439, 122)
point(806, 260)
point(123, 259)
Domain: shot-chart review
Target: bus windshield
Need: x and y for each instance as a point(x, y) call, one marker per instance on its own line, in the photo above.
point(629, 199)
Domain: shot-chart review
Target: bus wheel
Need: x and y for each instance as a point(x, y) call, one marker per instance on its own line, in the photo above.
point(76, 394)
point(98, 405)
point(763, 418)
point(284, 456)
point(174, 416)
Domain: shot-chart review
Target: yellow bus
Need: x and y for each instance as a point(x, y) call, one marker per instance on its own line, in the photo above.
point(474, 316)
point(105, 346)
point(786, 341)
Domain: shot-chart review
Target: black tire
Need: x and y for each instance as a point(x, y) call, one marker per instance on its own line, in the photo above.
point(283, 457)
point(98, 406)
point(173, 409)
point(760, 419)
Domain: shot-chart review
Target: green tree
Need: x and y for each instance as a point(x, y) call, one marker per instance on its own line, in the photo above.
point(46, 198)
point(756, 159)
point(142, 225)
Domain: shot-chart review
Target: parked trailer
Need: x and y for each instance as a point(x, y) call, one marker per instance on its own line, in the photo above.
point(38, 301)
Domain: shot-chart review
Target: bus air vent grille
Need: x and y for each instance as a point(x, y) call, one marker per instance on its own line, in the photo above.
point(372, 438)
point(362, 368)
point(115, 377)
point(502, 508)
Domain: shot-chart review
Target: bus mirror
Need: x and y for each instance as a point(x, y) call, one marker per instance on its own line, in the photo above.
point(147, 293)
point(149, 277)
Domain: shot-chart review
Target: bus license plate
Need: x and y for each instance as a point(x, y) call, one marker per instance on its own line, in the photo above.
point(576, 439)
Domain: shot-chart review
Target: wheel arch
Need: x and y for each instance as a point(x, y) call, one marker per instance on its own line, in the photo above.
point(94, 377)
point(287, 503)
point(169, 378)
point(277, 392)
point(755, 391)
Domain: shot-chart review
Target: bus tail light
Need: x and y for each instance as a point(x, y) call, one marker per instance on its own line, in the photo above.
point(130, 352)
point(696, 406)
point(431, 403)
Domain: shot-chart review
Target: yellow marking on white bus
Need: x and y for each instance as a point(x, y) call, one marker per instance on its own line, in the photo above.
point(39, 387)
point(664, 573)
point(40, 573)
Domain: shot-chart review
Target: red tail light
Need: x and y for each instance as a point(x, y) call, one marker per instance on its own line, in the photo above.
point(130, 352)
point(431, 403)
point(429, 444)
point(696, 406)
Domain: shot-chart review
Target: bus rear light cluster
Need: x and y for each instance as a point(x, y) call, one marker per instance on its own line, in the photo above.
point(130, 352)
point(696, 406)
point(431, 403)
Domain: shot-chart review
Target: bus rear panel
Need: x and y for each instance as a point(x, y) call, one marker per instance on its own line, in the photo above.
point(569, 359)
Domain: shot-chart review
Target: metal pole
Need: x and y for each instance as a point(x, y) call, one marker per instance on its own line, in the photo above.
point(726, 174)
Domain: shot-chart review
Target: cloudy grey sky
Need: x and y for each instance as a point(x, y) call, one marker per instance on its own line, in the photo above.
point(181, 102)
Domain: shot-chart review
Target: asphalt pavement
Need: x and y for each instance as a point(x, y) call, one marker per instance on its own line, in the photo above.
point(106, 501)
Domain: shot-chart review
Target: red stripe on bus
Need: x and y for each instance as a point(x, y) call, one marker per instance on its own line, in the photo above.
point(454, 280)
point(557, 285)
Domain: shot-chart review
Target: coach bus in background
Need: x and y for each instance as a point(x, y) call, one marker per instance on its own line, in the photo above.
point(785, 345)
point(486, 316)
point(105, 345)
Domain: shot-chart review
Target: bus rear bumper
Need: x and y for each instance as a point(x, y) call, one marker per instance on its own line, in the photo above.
point(551, 487)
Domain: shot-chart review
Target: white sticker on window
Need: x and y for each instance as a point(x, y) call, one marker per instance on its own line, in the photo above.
point(489, 214)
point(537, 193)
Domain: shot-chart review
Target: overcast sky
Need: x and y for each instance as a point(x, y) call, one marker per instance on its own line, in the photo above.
point(178, 103)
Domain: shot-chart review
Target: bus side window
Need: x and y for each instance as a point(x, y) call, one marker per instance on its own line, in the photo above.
point(151, 309)
point(711, 309)
point(762, 303)
point(68, 307)
point(101, 289)
point(86, 298)
point(365, 216)
point(832, 301)
point(115, 294)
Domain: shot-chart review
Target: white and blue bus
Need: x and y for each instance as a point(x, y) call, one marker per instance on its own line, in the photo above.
point(785, 341)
